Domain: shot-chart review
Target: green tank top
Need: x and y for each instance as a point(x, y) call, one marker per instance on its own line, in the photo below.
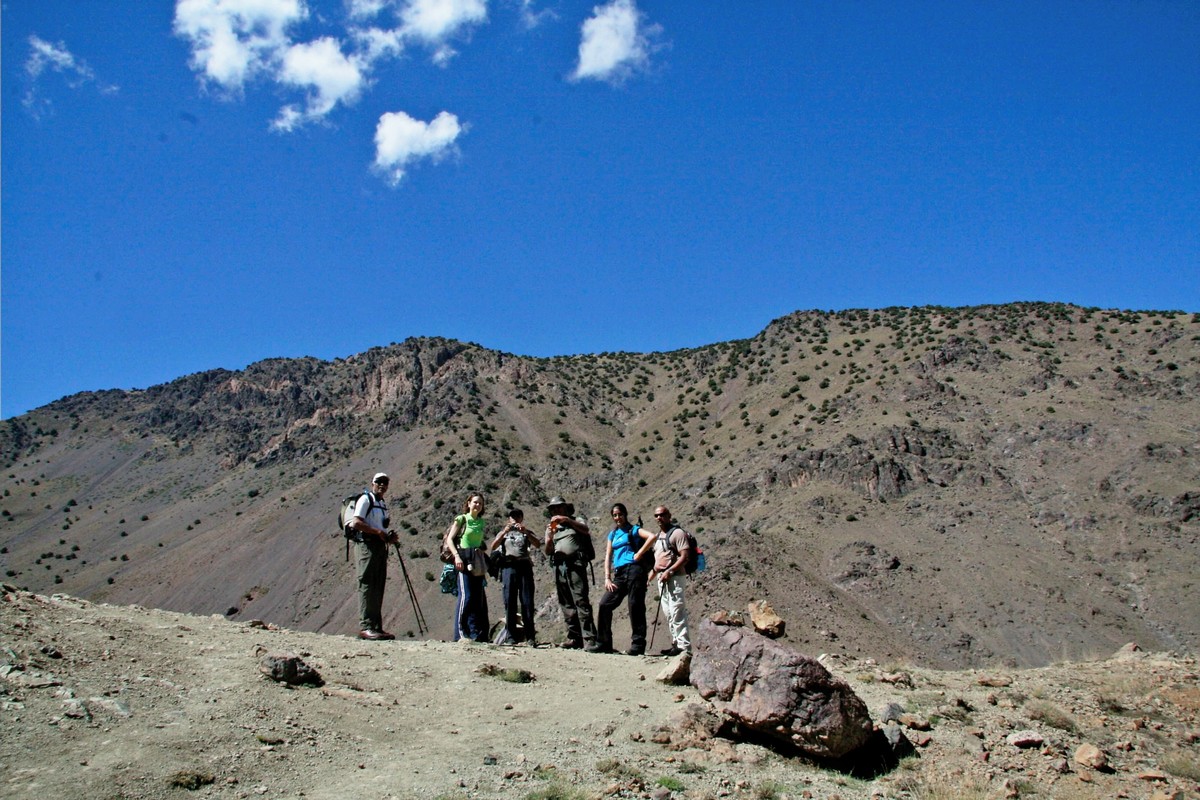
point(472, 528)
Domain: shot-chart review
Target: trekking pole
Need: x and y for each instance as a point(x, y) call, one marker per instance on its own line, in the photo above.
point(422, 626)
point(412, 595)
point(654, 628)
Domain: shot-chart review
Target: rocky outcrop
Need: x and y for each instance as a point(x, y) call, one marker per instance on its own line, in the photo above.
point(1182, 508)
point(860, 561)
point(964, 353)
point(888, 466)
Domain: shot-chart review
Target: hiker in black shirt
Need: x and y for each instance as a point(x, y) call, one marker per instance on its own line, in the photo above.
point(512, 545)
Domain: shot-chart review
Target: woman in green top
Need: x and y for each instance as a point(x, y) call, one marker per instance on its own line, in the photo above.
point(464, 540)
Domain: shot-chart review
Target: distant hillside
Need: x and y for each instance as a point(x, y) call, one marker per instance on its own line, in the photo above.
point(949, 486)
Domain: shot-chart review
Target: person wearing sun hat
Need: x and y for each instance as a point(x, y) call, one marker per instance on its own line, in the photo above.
point(372, 537)
point(567, 541)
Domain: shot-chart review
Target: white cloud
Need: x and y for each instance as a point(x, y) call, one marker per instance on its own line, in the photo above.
point(376, 43)
point(614, 43)
point(56, 58)
point(433, 23)
point(43, 54)
point(233, 40)
point(531, 18)
point(401, 140)
point(321, 67)
point(365, 9)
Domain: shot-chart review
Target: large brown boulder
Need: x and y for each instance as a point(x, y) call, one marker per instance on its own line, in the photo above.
point(769, 688)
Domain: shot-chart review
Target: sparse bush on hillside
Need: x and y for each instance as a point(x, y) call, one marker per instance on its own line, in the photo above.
point(1050, 714)
point(944, 787)
point(1182, 764)
point(617, 768)
point(557, 791)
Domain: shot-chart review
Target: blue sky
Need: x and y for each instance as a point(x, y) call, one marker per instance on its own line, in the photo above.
point(206, 183)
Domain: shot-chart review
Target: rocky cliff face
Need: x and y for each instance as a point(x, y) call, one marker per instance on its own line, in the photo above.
point(952, 486)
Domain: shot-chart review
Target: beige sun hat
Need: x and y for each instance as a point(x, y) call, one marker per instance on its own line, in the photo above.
point(559, 502)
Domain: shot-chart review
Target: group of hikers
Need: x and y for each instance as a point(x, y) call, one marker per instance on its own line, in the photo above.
point(634, 560)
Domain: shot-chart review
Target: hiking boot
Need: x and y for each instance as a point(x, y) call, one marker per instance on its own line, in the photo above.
point(598, 648)
point(374, 635)
point(635, 652)
point(571, 644)
point(670, 651)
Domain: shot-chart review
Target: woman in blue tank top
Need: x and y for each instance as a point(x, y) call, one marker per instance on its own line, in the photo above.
point(624, 576)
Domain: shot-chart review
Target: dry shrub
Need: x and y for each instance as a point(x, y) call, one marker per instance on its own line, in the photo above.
point(1181, 764)
point(191, 780)
point(769, 790)
point(949, 787)
point(1050, 714)
point(511, 674)
point(618, 769)
point(557, 791)
point(1117, 692)
point(1185, 698)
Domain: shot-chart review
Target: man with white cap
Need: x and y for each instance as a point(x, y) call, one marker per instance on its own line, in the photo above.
point(372, 537)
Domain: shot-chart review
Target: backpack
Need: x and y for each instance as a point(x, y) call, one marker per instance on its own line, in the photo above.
point(346, 514)
point(635, 539)
point(448, 582)
point(496, 561)
point(587, 549)
point(696, 561)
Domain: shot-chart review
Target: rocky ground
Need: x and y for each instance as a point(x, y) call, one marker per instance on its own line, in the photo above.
point(104, 701)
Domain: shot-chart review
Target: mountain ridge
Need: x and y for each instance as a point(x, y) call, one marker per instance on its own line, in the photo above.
point(1015, 483)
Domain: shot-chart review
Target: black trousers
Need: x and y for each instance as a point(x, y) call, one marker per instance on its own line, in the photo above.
point(631, 582)
point(517, 580)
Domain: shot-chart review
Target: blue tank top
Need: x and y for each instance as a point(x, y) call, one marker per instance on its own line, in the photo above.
point(625, 545)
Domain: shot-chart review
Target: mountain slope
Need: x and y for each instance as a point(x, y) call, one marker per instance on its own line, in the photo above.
point(954, 487)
